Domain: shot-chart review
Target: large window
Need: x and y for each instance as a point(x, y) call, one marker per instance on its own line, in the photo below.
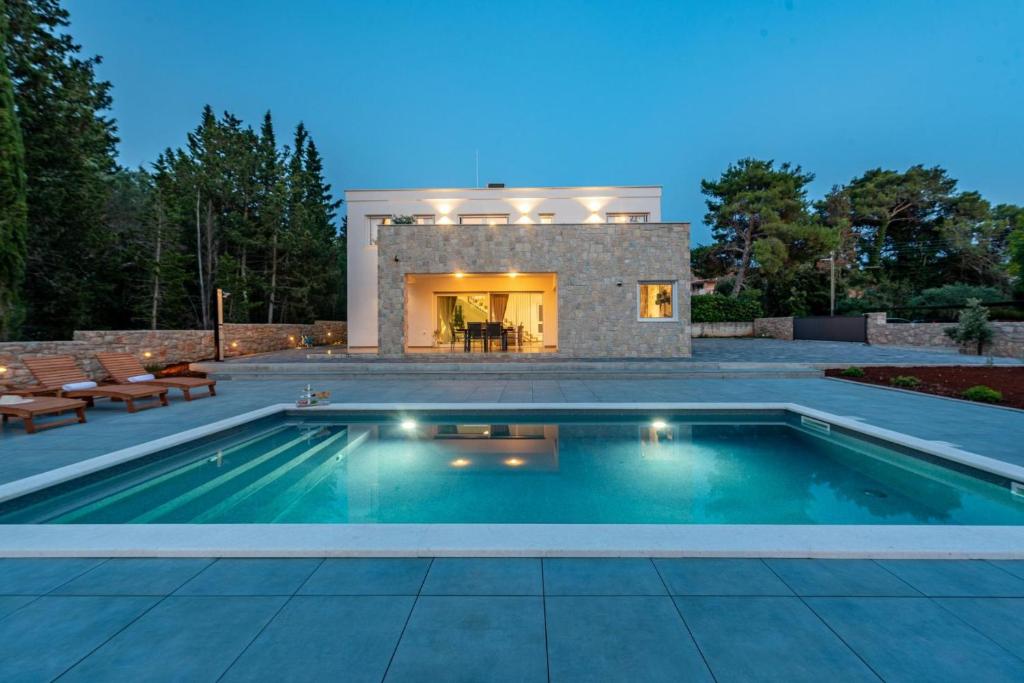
point(375, 222)
point(424, 219)
point(628, 217)
point(522, 312)
point(657, 301)
point(484, 219)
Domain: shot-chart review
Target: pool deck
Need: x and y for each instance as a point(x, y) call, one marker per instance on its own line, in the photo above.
point(510, 619)
point(561, 619)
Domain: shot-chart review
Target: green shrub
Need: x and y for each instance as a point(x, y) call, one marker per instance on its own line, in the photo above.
point(955, 295)
point(983, 394)
point(905, 381)
point(852, 372)
point(717, 308)
point(973, 328)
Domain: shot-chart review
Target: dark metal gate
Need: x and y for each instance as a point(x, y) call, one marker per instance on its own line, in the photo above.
point(832, 328)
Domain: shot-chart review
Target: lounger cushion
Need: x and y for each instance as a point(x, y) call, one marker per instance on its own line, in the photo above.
point(142, 378)
point(79, 386)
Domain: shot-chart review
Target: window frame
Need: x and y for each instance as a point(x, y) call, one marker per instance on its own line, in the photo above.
point(644, 216)
point(674, 284)
point(385, 219)
point(546, 218)
point(504, 216)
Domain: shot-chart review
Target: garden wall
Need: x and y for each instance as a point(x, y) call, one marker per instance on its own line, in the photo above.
point(1008, 341)
point(722, 329)
point(776, 328)
point(164, 347)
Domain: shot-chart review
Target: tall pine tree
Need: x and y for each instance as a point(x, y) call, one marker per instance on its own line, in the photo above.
point(13, 206)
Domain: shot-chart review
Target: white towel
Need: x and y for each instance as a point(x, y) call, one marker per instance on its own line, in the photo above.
point(141, 378)
point(79, 386)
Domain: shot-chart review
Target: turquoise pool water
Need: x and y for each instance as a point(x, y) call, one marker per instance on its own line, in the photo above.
point(740, 468)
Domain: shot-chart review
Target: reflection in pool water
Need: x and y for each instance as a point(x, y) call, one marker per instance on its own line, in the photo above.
point(605, 470)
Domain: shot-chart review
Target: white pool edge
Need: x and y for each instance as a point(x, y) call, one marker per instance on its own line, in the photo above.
point(510, 540)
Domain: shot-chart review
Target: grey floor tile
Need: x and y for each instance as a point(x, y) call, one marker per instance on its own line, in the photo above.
point(319, 638)
point(251, 577)
point(1015, 567)
point(952, 578)
point(12, 603)
point(181, 639)
point(614, 638)
point(768, 639)
point(40, 576)
point(476, 638)
point(839, 578)
point(135, 576)
point(1001, 619)
point(712, 576)
point(915, 639)
point(47, 637)
point(601, 576)
point(367, 576)
point(484, 576)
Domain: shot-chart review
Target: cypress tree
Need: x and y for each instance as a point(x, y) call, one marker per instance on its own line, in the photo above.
point(13, 207)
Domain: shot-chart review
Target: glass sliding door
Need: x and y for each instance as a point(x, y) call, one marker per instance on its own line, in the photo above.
point(519, 311)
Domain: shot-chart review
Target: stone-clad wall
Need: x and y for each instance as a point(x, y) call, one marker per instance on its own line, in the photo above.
point(732, 329)
point(1008, 340)
point(163, 347)
point(597, 269)
point(776, 328)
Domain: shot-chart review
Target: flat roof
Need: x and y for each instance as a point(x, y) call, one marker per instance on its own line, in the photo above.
point(509, 187)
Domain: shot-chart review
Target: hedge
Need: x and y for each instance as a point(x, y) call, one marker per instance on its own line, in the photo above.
point(718, 308)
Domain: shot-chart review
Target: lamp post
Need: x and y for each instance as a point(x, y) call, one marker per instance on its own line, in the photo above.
point(218, 331)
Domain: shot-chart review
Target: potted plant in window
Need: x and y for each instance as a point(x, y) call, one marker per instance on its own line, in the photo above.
point(663, 300)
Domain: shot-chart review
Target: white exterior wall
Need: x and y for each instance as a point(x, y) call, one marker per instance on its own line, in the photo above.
point(522, 204)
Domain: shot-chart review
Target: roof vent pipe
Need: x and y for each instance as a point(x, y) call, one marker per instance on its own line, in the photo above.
point(495, 186)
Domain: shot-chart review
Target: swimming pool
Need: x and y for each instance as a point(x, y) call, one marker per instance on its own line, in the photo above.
point(551, 467)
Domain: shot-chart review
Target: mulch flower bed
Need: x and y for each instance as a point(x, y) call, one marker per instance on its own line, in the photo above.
point(951, 381)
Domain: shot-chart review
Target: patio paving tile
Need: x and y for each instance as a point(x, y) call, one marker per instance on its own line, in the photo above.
point(44, 639)
point(768, 639)
point(251, 577)
point(638, 638)
point(950, 578)
point(1001, 619)
point(135, 576)
point(915, 639)
point(321, 638)
point(1015, 567)
point(484, 576)
point(601, 576)
point(839, 578)
point(367, 576)
point(12, 603)
point(708, 576)
point(181, 639)
point(476, 638)
point(40, 576)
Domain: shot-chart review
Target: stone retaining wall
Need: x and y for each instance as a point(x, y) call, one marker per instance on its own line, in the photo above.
point(164, 347)
point(776, 328)
point(1008, 341)
point(733, 329)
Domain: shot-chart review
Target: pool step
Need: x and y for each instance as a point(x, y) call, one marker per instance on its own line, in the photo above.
point(508, 370)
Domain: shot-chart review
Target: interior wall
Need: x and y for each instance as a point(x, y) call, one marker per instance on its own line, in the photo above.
point(421, 304)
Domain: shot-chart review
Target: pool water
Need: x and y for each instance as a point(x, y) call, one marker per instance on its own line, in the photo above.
point(604, 468)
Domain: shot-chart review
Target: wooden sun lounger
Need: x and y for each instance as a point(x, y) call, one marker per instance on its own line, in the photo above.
point(44, 405)
point(53, 372)
point(121, 366)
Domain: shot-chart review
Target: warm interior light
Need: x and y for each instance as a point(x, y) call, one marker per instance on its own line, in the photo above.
point(513, 462)
point(659, 424)
point(459, 274)
point(460, 462)
point(512, 273)
point(408, 425)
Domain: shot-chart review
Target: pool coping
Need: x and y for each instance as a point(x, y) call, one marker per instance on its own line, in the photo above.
point(440, 540)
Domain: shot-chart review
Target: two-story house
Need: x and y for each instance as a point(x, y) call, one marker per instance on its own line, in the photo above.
point(581, 271)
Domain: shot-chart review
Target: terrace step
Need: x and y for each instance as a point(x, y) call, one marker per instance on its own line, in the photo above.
point(561, 369)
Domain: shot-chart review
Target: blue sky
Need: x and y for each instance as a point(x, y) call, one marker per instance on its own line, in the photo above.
point(400, 94)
